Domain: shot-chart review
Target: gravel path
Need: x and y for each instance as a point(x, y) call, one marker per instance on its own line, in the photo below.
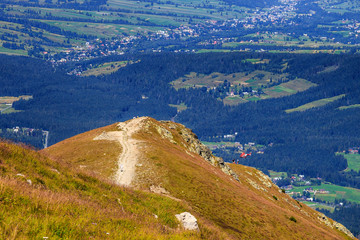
point(129, 156)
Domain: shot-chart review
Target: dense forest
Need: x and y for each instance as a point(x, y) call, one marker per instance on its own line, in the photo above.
point(67, 105)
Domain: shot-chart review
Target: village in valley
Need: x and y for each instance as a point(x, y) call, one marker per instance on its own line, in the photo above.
point(314, 192)
point(242, 30)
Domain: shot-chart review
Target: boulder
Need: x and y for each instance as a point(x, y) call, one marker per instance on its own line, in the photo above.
point(188, 221)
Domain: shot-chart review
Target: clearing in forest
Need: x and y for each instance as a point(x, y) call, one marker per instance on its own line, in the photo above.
point(317, 103)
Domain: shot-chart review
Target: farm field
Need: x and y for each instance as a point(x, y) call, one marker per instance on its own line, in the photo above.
point(335, 192)
point(274, 174)
point(284, 40)
point(214, 145)
point(7, 101)
point(314, 104)
point(194, 9)
point(316, 205)
point(288, 88)
point(179, 107)
point(351, 106)
point(106, 68)
point(10, 99)
point(353, 161)
point(254, 79)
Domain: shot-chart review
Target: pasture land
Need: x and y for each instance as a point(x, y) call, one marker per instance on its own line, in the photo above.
point(288, 88)
point(316, 205)
point(11, 100)
point(254, 79)
point(314, 104)
point(351, 106)
point(353, 161)
point(180, 107)
point(106, 68)
point(284, 40)
point(7, 101)
point(274, 174)
point(215, 145)
point(335, 192)
point(233, 100)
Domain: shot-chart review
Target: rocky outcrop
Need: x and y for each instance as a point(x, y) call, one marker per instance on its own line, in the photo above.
point(188, 221)
point(194, 145)
point(335, 225)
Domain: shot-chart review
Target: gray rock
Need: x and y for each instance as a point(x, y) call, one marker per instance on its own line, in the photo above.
point(188, 221)
point(196, 146)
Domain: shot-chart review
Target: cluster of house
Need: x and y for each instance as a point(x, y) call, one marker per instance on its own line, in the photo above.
point(320, 191)
point(23, 130)
point(276, 14)
point(353, 26)
point(354, 150)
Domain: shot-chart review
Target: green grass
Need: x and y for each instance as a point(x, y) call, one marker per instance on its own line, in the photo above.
point(179, 107)
point(10, 110)
point(253, 99)
point(277, 174)
point(66, 203)
point(212, 50)
point(288, 88)
point(106, 68)
point(316, 205)
point(250, 80)
point(335, 192)
point(280, 89)
point(351, 106)
point(353, 161)
point(314, 104)
point(255, 79)
point(213, 145)
point(233, 101)
point(13, 52)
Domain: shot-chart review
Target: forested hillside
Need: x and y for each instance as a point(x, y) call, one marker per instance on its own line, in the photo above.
point(66, 105)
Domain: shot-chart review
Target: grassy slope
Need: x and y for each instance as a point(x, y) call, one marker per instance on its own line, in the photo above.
point(353, 162)
point(65, 203)
point(225, 208)
point(314, 104)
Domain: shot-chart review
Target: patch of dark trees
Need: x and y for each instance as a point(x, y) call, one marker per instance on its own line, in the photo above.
point(348, 213)
point(303, 142)
point(69, 4)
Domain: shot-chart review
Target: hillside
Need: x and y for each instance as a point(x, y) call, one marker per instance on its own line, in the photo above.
point(62, 30)
point(167, 165)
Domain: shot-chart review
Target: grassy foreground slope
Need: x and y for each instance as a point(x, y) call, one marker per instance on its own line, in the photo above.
point(42, 198)
point(248, 208)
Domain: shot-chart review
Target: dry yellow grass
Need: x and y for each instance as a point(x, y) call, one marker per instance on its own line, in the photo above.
point(11, 100)
point(225, 208)
point(98, 156)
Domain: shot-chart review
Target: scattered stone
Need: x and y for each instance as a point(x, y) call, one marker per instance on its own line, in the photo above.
point(55, 170)
point(29, 182)
point(334, 224)
point(255, 185)
point(103, 136)
point(264, 179)
point(158, 190)
point(188, 221)
point(196, 146)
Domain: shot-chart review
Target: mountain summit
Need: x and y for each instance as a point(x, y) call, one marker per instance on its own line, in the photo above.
point(166, 158)
point(145, 179)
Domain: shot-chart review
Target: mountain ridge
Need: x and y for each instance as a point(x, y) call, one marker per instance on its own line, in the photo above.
point(237, 203)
